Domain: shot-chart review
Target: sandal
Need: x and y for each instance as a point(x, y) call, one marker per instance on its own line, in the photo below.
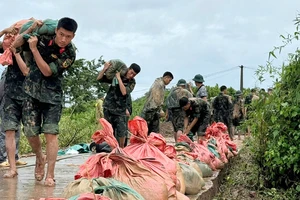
point(40, 175)
point(10, 174)
point(4, 164)
point(50, 182)
point(20, 162)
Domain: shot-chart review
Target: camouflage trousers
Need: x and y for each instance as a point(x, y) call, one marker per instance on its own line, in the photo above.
point(199, 128)
point(11, 113)
point(152, 119)
point(178, 119)
point(3, 155)
point(118, 123)
point(39, 117)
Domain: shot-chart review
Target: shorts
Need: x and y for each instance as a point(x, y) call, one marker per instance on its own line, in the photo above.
point(178, 119)
point(118, 123)
point(12, 113)
point(39, 117)
point(152, 119)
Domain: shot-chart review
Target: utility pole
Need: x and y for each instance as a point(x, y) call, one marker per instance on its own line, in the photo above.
point(241, 78)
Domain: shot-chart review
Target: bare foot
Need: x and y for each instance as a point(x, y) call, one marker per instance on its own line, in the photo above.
point(10, 174)
point(50, 182)
point(40, 169)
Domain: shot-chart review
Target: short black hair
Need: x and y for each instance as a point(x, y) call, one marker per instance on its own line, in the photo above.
point(136, 68)
point(68, 24)
point(183, 101)
point(168, 74)
point(253, 90)
point(222, 88)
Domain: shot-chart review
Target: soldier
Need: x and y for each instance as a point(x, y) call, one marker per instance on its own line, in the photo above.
point(222, 105)
point(115, 103)
point(3, 154)
point(52, 55)
point(201, 89)
point(173, 104)
point(11, 114)
point(238, 112)
point(196, 116)
point(152, 109)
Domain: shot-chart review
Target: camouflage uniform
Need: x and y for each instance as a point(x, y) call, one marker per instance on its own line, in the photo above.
point(11, 105)
point(173, 103)
point(115, 104)
point(198, 109)
point(43, 102)
point(223, 110)
point(153, 105)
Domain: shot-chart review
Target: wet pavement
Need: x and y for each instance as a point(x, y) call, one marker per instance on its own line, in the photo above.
point(25, 187)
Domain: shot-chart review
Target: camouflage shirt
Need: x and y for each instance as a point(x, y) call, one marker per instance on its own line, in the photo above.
point(49, 89)
point(198, 109)
point(222, 107)
point(14, 78)
point(115, 101)
point(201, 92)
point(175, 95)
point(155, 97)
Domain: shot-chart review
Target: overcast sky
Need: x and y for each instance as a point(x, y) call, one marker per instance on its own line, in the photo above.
point(184, 37)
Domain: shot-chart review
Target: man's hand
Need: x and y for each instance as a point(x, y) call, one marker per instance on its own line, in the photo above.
point(32, 41)
point(35, 24)
point(186, 130)
point(19, 41)
point(106, 66)
point(118, 75)
point(127, 113)
point(13, 49)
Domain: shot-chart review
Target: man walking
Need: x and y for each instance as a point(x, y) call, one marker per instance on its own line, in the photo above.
point(152, 109)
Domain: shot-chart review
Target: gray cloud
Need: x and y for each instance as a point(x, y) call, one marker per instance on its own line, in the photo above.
point(185, 37)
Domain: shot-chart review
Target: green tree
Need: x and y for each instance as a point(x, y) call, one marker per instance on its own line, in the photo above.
point(80, 84)
point(275, 122)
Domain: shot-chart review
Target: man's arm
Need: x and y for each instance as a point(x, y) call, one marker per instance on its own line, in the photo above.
point(10, 29)
point(186, 123)
point(191, 125)
point(23, 67)
point(42, 65)
point(121, 84)
point(102, 72)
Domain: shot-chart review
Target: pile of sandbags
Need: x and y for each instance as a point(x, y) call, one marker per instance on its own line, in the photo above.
point(148, 167)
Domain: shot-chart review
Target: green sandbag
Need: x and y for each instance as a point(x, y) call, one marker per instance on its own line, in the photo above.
point(213, 149)
point(48, 28)
point(116, 65)
point(206, 170)
point(106, 186)
point(193, 181)
point(116, 190)
point(183, 146)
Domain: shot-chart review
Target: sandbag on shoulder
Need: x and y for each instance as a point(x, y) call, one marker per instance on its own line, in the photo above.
point(116, 65)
